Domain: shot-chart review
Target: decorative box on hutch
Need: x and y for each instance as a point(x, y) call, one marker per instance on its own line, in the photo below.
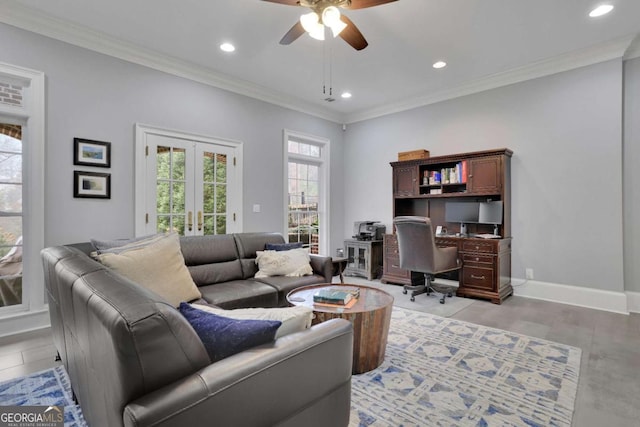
point(413, 155)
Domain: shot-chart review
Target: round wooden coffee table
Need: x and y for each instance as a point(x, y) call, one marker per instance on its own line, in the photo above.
point(370, 317)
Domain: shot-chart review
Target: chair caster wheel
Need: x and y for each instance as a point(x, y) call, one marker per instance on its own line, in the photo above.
point(449, 295)
point(442, 301)
point(404, 291)
point(413, 298)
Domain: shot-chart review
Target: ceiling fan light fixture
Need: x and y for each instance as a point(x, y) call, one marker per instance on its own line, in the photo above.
point(439, 64)
point(331, 18)
point(311, 24)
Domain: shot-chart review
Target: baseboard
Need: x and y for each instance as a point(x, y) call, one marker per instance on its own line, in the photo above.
point(598, 299)
point(633, 301)
point(24, 322)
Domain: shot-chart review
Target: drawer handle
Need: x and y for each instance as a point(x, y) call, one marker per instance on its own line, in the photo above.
point(394, 266)
point(477, 277)
point(477, 259)
point(477, 247)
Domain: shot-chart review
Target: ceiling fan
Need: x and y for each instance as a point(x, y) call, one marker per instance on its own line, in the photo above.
point(326, 13)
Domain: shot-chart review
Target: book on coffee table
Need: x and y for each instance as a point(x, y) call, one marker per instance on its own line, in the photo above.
point(336, 295)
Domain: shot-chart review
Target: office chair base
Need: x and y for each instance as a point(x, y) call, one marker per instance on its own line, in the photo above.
point(427, 288)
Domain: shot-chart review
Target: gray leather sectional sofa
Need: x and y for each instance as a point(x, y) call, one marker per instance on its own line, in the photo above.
point(134, 360)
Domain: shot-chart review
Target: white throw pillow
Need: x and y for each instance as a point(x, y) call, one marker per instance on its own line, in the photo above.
point(294, 319)
point(157, 265)
point(292, 263)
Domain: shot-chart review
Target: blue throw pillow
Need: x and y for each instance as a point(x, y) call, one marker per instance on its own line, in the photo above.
point(223, 337)
point(282, 246)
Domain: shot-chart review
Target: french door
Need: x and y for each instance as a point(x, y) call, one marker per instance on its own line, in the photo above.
point(191, 184)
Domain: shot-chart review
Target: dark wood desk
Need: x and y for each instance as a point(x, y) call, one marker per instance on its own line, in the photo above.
point(485, 272)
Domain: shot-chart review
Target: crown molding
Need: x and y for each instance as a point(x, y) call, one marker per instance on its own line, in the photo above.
point(29, 19)
point(634, 50)
point(595, 54)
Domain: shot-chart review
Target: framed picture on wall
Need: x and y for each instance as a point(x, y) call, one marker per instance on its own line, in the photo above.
point(91, 185)
point(91, 153)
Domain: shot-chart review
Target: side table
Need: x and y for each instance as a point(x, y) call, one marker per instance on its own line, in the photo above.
point(370, 317)
point(339, 264)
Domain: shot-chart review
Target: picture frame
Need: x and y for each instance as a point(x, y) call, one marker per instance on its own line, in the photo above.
point(91, 185)
point(87, 152)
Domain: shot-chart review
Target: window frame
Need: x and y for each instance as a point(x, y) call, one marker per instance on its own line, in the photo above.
point(323, 163)
point(33, 312)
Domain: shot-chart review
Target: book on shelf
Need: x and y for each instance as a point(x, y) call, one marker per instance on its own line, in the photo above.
point(336, 295)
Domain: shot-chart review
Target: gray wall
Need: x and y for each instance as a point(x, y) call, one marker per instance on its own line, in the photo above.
point(566, 133)
point(95, 96)
point(631, 166)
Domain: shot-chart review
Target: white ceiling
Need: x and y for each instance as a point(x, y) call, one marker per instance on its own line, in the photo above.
point(485, 43)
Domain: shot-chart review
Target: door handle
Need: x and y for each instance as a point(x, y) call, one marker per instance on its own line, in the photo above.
point(190, 220)
point(199, 220)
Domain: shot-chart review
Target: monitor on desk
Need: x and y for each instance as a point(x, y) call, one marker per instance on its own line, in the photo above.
point(490, 213)
point(462, 212)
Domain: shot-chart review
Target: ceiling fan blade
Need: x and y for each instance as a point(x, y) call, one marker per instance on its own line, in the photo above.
point(362, 4)
point(287, 2)
point(296, 31)
point(352, 35)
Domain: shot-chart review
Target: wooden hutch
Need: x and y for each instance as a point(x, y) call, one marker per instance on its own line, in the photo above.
point(482, 176)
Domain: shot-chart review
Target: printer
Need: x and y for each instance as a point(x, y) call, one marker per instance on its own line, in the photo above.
point(368, 230)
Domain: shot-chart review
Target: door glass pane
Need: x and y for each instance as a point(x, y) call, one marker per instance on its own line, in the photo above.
point(221, 199)
point(208, 167)
point(164, 224)
point(178, 165)
point(214, 193)
point(178, 224)
point(209, 198)
point(170, 189)
point(221, 224)
point(208, 225)
point(162, 197)
point(221, 168)
point(178, 197)
point(10, 216)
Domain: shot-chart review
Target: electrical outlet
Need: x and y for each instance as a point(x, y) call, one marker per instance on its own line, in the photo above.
point(528, 273)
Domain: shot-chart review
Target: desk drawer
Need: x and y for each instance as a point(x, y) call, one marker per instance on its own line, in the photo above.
point(477, 277)
point(477, 259)
point(478, 246)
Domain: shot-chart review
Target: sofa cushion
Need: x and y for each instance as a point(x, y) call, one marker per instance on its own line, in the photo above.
point(294, 319)
point(211, 259)
point(240, 294)
point(248, 244)
point(223, 336)
point(292, 263)
point(157, 265)
point(282, 246)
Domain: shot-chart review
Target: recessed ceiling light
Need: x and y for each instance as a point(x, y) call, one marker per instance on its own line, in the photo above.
point(439, 64)
point(346, 95)
point(601, 10)
point(227, 47)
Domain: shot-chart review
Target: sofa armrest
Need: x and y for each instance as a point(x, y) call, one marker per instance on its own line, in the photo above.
point(322, 265)
point(296, 377)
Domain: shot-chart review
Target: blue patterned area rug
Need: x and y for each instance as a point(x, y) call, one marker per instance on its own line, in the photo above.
point(445, 372)
point(48, 387)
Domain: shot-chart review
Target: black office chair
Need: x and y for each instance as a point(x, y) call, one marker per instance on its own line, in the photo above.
point(418, 252)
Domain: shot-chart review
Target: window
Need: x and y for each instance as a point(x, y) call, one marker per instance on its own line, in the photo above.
point(10, 214)
point(306, 190)
point(22, 182)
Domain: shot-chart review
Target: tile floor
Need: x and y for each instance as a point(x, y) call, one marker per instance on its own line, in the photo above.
point(609, 389)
